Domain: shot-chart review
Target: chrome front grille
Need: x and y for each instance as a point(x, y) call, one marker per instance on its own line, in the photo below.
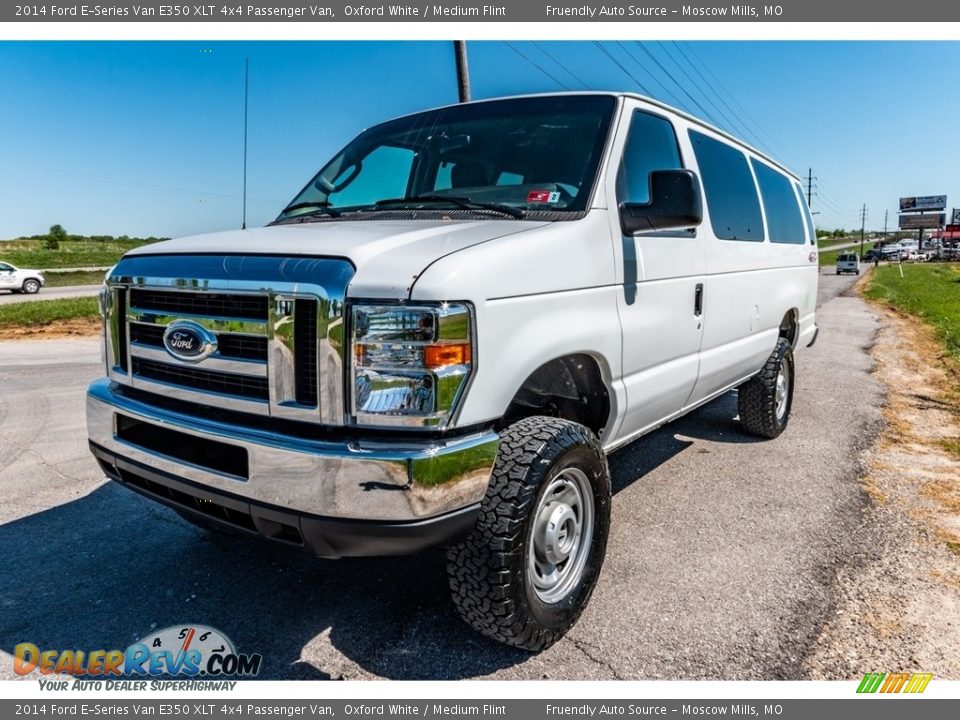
point(277, 324)
point(188, 304)
point(254, 388)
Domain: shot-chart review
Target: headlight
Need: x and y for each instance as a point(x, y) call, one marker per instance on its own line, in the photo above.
point(410, 363)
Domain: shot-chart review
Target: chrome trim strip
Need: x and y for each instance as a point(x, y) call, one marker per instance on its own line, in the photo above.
point(179, 392)
point(251, 368)
point(358, 479)
point(234, 326)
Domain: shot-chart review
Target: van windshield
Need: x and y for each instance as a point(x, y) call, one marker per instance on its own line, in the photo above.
point(517, 157)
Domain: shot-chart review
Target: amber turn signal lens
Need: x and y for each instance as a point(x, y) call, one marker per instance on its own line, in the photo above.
point(436, 356)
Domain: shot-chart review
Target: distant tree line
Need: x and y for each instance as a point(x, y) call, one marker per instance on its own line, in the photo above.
point(56, 235)
point(838, 233)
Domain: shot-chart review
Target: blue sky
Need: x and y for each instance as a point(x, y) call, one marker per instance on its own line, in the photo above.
point(145, 138)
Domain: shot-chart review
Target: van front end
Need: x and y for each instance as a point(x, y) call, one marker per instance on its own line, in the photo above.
point(228, 397)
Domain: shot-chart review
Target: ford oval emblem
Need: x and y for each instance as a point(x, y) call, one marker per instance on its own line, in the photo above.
point(188, 341)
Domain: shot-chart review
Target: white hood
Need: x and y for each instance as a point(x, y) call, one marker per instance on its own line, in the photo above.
point(388, 255)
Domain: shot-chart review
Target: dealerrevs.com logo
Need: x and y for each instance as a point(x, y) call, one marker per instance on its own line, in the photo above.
point(191, 651)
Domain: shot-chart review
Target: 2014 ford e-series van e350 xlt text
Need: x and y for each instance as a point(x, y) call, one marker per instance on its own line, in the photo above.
point(443, 335)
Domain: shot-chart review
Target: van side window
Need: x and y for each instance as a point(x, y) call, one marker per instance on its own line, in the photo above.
point(807, 217)
point(651, 145)
point(731, 193)
point(784, 223)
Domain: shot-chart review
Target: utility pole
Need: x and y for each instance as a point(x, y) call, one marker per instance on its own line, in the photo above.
point(863, 222)
point(810, 187)
point(463, 72)
point(246, 88)
point(885, 213)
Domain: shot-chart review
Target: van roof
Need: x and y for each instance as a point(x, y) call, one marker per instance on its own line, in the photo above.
point(643, 98)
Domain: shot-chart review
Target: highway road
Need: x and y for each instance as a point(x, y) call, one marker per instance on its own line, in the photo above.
point(720, 563)
point(51, 293)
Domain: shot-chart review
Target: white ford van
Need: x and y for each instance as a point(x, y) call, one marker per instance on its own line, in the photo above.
point(443, 335)
point(848, 262)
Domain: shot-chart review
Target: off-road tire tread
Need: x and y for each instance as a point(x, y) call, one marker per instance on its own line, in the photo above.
point(757, 398)
point(485, 570)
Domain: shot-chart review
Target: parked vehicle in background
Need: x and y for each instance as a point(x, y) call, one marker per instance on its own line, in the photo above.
point(848, 263)
point(891, 253)
point(20, 280)
point(443, 335)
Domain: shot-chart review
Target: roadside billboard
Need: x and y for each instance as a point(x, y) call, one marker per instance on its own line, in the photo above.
point(925, 202)
point(930, 220)
point(955, 220)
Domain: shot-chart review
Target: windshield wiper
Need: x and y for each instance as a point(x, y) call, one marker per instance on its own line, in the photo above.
point(461, 202)
point(320, 205)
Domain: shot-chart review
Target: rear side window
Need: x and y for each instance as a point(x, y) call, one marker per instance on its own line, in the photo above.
point(807, 217)
point(784, 223)
point(731, 193)
point(651, 145)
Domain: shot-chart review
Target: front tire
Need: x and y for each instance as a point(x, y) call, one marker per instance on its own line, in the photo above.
point(526, 572)
point(764, 401)
point(31, 286)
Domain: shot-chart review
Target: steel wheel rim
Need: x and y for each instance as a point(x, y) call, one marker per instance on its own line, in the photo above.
point(32, 286)
point(561, 535)
point(782, 395)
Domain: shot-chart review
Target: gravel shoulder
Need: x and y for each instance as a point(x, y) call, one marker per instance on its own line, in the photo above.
point(898, 597)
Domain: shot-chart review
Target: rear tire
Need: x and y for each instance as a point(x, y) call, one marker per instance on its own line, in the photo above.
point(764, 401)
point(31, 286)
point(526, 572)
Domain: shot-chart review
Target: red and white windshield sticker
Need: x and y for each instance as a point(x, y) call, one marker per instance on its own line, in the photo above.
point(543, 196)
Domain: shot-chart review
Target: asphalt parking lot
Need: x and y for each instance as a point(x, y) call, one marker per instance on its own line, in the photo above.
point(720, 562)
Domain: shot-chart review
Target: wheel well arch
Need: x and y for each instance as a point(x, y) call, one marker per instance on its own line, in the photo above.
point(790, 326)
point(570, 387)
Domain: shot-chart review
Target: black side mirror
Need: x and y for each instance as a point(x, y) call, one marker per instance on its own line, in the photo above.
point(674, 203)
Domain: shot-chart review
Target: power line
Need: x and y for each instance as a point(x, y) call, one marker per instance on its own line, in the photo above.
point(746, 112)
point(679, 85)
point(620, 65)
point(538, 67)
point(734, 123)
point(567, 70)
point(677, 101)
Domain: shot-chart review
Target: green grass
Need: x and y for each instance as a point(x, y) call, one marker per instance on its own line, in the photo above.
point(60, 279)
point(825, 243)
point(951, 445)
point(32, 253)
point(931, 291)
point(829, 257)
point(44, 312)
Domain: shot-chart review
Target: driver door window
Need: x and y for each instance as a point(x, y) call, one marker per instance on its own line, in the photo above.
point(651, 145)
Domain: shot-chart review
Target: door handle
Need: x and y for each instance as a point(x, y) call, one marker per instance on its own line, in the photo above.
point(698, 300)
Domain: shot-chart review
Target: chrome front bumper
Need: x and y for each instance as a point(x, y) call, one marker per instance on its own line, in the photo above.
point(392, 481)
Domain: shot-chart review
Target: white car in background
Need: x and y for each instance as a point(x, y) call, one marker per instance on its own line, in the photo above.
point(18, 280)
point(848, 262)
